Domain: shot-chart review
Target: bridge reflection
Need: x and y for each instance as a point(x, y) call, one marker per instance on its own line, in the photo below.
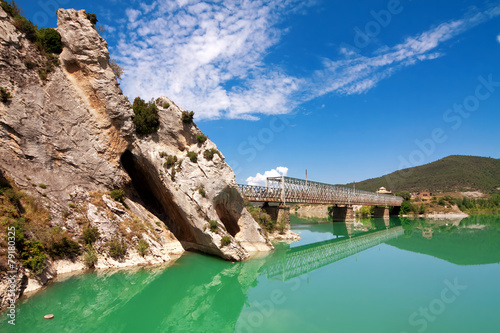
point(302, 259)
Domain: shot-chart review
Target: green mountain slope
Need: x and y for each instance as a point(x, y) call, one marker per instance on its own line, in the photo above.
point(450, 174)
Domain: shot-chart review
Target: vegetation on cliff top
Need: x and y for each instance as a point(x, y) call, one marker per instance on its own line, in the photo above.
point(210, 153)
point(47, 40)
point(146, 119)
point(187, 117)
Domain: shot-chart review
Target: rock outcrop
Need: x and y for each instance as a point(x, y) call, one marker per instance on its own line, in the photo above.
point(73, 132)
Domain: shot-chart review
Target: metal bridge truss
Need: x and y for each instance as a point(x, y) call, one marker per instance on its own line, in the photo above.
point(294, 190)
point(303, 259)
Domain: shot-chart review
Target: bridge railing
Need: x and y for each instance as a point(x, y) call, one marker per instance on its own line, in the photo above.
point(260, 193)
point(287, 189)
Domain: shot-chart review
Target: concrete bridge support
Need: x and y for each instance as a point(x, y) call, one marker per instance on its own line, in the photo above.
point(343, 213)
point(278, 213)
point(381, 212)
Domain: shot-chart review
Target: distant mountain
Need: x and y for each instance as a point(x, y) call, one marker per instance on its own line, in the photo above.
point(450, 174)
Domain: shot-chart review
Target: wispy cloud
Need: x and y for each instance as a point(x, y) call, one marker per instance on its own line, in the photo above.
point(498, 38)
point(210, 57)
point(357, 73)
point(260, 179)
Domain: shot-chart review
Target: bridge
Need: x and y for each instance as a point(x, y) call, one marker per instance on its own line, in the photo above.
point(294, 190)
point(283, 190)
point(303, 259)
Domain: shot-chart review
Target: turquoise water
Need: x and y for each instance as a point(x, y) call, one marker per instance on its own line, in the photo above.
point(400, 275)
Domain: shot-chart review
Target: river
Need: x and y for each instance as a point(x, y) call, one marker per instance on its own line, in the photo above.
point(402, 275)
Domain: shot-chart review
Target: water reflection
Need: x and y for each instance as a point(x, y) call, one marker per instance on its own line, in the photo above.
point(294, 262)
point(469, 241)
point(205, 294)
point(198, 293)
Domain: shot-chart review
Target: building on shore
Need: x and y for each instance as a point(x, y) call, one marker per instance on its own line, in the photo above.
point(383, 190)
point(424, 195)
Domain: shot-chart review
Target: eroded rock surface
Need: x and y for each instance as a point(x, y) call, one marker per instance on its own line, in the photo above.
point(73, 133)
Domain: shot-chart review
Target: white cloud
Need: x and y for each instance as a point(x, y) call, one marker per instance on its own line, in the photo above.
point(109, 28)
point(498, 38)
point(359, 74)
point(260, 179)
point(209, 57)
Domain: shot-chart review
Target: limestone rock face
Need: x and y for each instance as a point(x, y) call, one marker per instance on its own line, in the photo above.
point(190, 193)
point(73, 132)
point(70, 130)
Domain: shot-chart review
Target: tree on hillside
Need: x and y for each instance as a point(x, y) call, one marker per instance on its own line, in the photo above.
point(405, 195)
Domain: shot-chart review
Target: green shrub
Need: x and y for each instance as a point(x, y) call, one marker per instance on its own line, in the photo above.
point(146, 119)
point(421, 209)
point(226, 240)
point(201, 191)
point(92, 18)
point(142, 247)
point(72, 205)
point(210, 153)
point(281, 225)
point(404, 194)
point(162, 154)
point(5, 95)
point(406, 207)
point(117, 248)
point(64, 248)
point(262, 218)
point(171, 160)
point(90, 235)
point(187, 117)
point(10, 7)
point(89, 257)
point(13, 196)
point(365, 211)
point(50, 40)
point(192, 156)
point(33, 257)
point(201, 138)
point(166, 105)
point(27, 27)
point(213, 225)
point(42, 186)
point(117, 195)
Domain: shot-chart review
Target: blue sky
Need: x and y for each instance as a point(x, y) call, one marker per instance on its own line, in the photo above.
point(348, 90)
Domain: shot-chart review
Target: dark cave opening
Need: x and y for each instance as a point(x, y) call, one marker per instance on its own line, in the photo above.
point(148, 188)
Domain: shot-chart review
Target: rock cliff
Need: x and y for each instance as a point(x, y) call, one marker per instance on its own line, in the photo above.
point(67, 139)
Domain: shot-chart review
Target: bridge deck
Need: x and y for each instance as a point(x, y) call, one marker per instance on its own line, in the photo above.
point(293, 190)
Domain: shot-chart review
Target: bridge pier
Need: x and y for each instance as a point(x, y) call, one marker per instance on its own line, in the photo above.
point(278, 213)
point(343, 213)
point(381, 212)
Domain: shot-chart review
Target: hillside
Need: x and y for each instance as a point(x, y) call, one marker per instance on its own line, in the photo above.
point(450, 174)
